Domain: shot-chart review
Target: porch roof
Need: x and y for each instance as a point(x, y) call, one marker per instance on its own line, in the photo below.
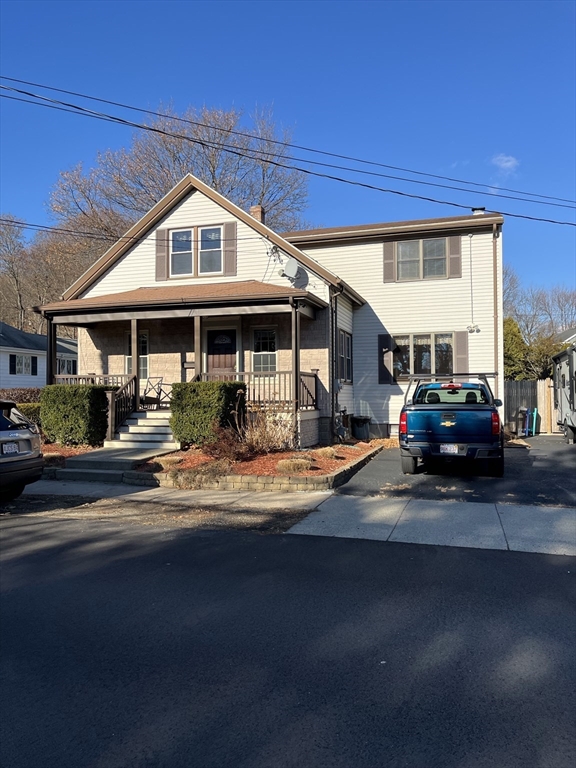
point(180, 299)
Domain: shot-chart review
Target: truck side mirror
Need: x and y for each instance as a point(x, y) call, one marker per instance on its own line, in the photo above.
point(498, 403)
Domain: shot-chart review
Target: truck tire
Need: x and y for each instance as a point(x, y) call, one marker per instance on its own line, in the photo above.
point(568, 433)
point(408, 464)
point(498, 467)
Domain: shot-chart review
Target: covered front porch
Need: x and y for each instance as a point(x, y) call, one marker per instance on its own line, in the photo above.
point(275, 340)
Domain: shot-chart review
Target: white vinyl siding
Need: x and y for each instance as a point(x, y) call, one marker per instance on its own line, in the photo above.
point(255, 258)
point(8, 380)
point(423, 306)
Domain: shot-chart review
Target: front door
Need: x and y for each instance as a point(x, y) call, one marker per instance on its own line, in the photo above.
point(221, 349)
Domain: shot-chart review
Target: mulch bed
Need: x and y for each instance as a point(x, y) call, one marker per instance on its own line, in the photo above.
point(267, 464)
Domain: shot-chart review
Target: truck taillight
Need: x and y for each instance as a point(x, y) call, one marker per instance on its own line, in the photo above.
point(495, 424)
point(403, 423)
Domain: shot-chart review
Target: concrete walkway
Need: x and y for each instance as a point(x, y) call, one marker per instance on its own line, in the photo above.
point(520, 528)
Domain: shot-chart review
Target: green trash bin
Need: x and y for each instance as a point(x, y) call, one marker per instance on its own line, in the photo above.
point(361, 428)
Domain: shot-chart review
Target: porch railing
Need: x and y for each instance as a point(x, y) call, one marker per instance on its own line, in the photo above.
point(121, 404)
point(272, 388)
point(106, 380)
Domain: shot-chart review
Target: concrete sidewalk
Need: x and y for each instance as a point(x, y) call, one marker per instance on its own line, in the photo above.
point(520, 528)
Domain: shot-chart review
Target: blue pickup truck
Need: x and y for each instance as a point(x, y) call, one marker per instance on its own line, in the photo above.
point(452, 421)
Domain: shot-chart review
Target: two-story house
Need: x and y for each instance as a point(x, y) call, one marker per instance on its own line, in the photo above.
point(313, 322)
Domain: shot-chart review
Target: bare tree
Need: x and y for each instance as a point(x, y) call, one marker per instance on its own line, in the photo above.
point(237, 162)
point(13, 269)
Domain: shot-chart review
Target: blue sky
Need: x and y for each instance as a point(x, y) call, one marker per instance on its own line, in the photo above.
point(482, 91)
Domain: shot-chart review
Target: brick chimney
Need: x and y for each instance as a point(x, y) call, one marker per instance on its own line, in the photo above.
point(258, 213)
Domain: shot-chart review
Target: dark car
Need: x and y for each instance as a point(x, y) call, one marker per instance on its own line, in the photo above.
point(21, 460)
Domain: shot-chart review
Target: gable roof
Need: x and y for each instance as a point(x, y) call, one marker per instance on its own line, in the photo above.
point(14, 338)
point(155, 215)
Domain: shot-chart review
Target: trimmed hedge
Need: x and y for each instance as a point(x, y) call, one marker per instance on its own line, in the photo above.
point(198, 407)
point(31, 411)
point(74, 414)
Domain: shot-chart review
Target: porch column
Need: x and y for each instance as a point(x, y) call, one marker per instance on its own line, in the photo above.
point(197, 346)
point(295, 359)
point(50, 350)
point(135, 356)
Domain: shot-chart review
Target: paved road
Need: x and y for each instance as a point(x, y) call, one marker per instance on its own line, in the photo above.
point(160, 648)
point(544, 474)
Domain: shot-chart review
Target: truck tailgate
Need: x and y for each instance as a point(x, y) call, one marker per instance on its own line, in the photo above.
point(451, 425)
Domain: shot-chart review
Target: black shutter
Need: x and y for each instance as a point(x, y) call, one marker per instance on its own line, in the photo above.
point(389, 263)
point(162, 270)
point(34, 365)
point(461, 352)
point(385, 359)
point(455, 256)
point(230, 248)
point(13, 365)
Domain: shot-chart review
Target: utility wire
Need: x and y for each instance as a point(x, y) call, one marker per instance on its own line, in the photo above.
point(287, 144)
point(263, 152)
point(78, 110)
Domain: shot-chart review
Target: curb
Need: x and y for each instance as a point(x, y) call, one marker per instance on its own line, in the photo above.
point(286, 483)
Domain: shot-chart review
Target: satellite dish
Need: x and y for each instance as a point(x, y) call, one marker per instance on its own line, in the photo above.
point(291, 268)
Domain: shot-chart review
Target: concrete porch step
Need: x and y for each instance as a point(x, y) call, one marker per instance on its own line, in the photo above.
point(145, 429)
point(91, 475)
point(152, 415)
point(155, 447)
point(145, 437)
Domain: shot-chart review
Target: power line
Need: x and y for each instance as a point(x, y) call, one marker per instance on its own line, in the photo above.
point(78, 110)
point(226, 147)
point(290, 145)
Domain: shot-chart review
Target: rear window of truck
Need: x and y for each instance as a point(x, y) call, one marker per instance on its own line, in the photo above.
point(451, 396)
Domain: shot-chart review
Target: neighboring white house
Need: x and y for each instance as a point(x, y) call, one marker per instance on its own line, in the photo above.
point(23, 357)
point(319, 321)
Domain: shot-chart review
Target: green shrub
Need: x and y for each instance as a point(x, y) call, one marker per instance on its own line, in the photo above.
point(199, 407)
point(31, 411)
point(21, 394)
point(74, 414)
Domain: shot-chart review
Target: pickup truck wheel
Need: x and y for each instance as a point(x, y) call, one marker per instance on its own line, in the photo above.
point(498, 467)
point(408, 464)
point(568, 433)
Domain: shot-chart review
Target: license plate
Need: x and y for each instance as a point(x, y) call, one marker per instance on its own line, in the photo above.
point(10, 448)
point(448, 448)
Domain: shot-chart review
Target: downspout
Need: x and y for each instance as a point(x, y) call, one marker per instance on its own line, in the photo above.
point(497, 340)
point(334, 293)
point(295, 365)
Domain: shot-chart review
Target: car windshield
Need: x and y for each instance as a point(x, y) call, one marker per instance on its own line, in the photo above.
point(451, 395)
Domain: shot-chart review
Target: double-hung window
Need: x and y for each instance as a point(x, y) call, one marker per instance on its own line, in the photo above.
point(423, 353)
point(344, 356)
point(264, 355)
point(421, 259)
point(23, 365)
point(210, 256)
point(197, 250)
point(181, 255)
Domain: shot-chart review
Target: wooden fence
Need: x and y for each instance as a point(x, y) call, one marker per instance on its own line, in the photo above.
point(530, 394)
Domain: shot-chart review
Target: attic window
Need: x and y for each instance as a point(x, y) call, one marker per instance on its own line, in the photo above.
point(210, 261)
point(181, 252)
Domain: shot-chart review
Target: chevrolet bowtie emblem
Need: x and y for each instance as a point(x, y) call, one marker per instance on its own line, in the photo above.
point(447, 423)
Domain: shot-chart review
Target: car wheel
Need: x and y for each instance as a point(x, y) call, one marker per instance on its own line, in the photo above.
point(408, 464)
point(568, 433)
point(10, 493)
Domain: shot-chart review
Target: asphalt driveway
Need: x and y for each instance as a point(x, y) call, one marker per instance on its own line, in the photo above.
point(544, 474)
